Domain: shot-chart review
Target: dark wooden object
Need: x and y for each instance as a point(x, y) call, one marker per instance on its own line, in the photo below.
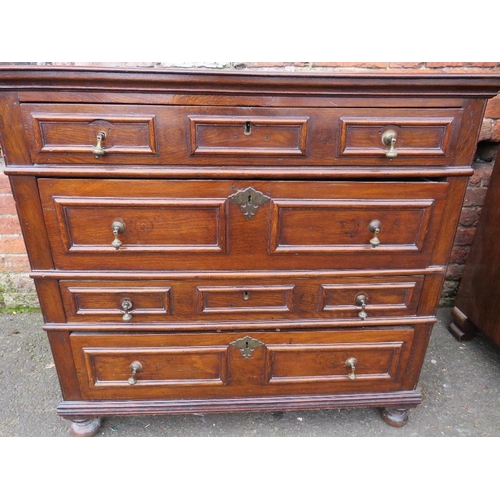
point(235, 241)
point(478, 300)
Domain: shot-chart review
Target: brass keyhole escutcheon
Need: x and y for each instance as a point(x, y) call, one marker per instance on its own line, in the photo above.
point(249, 200)
point(248, 128)
point(246, 295)
point(247, 346)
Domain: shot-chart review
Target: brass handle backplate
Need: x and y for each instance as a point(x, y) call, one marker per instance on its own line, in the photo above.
point(117, 227)
point(135, 368)
point(126, 307)
point(361, 301)
point(98, 150)
point(351, 363)
point(389, 138)
point(374, 227)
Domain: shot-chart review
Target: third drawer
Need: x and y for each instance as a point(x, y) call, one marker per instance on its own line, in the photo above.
point(287, 298)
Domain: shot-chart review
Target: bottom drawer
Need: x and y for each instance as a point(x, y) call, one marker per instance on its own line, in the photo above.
point(143, 366)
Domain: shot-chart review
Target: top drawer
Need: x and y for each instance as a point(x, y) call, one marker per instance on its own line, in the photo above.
point(221, 135)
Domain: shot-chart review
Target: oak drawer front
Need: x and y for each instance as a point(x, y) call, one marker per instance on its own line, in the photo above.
point(221, 135)
point(117, 301)
point(109, 371)
point(261, 363)
point(419, 136)
point(129, 224)
point(241, 298)
point(237, 134)
point(68, 133)
point(155, 135)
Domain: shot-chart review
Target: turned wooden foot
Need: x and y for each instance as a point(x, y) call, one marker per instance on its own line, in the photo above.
point(461, 327)
point(85, 427)
point(397, 417)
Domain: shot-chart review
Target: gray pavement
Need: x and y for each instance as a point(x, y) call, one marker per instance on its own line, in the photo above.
point(460, 383)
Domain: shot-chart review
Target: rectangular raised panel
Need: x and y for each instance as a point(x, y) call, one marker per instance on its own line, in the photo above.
point(396, 295)
point(245, 299)
point(425, 135)
point(248, 135)
point(154, 225)
point(381, 356)
point(103, 369)
point(102, 300)
point(327, 363)
point(343, 225)
point(77, 133)
point(415, 137)
point(67, 133)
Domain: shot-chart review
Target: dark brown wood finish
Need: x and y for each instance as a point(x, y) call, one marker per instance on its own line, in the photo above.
point(478, 299)
point(29, 210)
point(216, 300)
point(64, 133)
point(237, 241)
point(301, 225)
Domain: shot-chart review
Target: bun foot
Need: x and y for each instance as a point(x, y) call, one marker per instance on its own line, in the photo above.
point(85, 427)
point(397, 417)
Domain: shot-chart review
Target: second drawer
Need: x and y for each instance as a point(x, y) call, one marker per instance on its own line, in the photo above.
point(231, 299)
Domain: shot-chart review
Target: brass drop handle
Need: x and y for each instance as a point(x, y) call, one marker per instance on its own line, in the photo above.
point(374, 227)
point(389, 138)
point(126, 307)
point(98, 149)
point(135, 368)
point(361, 301)
point(117, 227)
point(351, 363)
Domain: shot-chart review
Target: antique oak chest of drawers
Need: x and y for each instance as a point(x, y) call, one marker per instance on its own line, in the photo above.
point(237, 241)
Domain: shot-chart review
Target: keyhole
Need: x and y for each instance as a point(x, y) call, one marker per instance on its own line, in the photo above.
point(249, 198)
point(248, 128)
point(246, 345)
point(246, 295)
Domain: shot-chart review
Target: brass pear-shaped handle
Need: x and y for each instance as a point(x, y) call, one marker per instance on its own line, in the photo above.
point(126, 307)
point(351, 363)
point(98, 150)
point(118, 227)
point(389, 138)
point(361, 301)
point(135, 368)
point(374, 227)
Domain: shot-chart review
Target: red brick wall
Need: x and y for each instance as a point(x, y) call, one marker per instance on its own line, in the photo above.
point(14, 264)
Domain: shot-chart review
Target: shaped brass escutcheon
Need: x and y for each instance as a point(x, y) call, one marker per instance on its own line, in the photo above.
point(247, 345)
point(249, 200)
